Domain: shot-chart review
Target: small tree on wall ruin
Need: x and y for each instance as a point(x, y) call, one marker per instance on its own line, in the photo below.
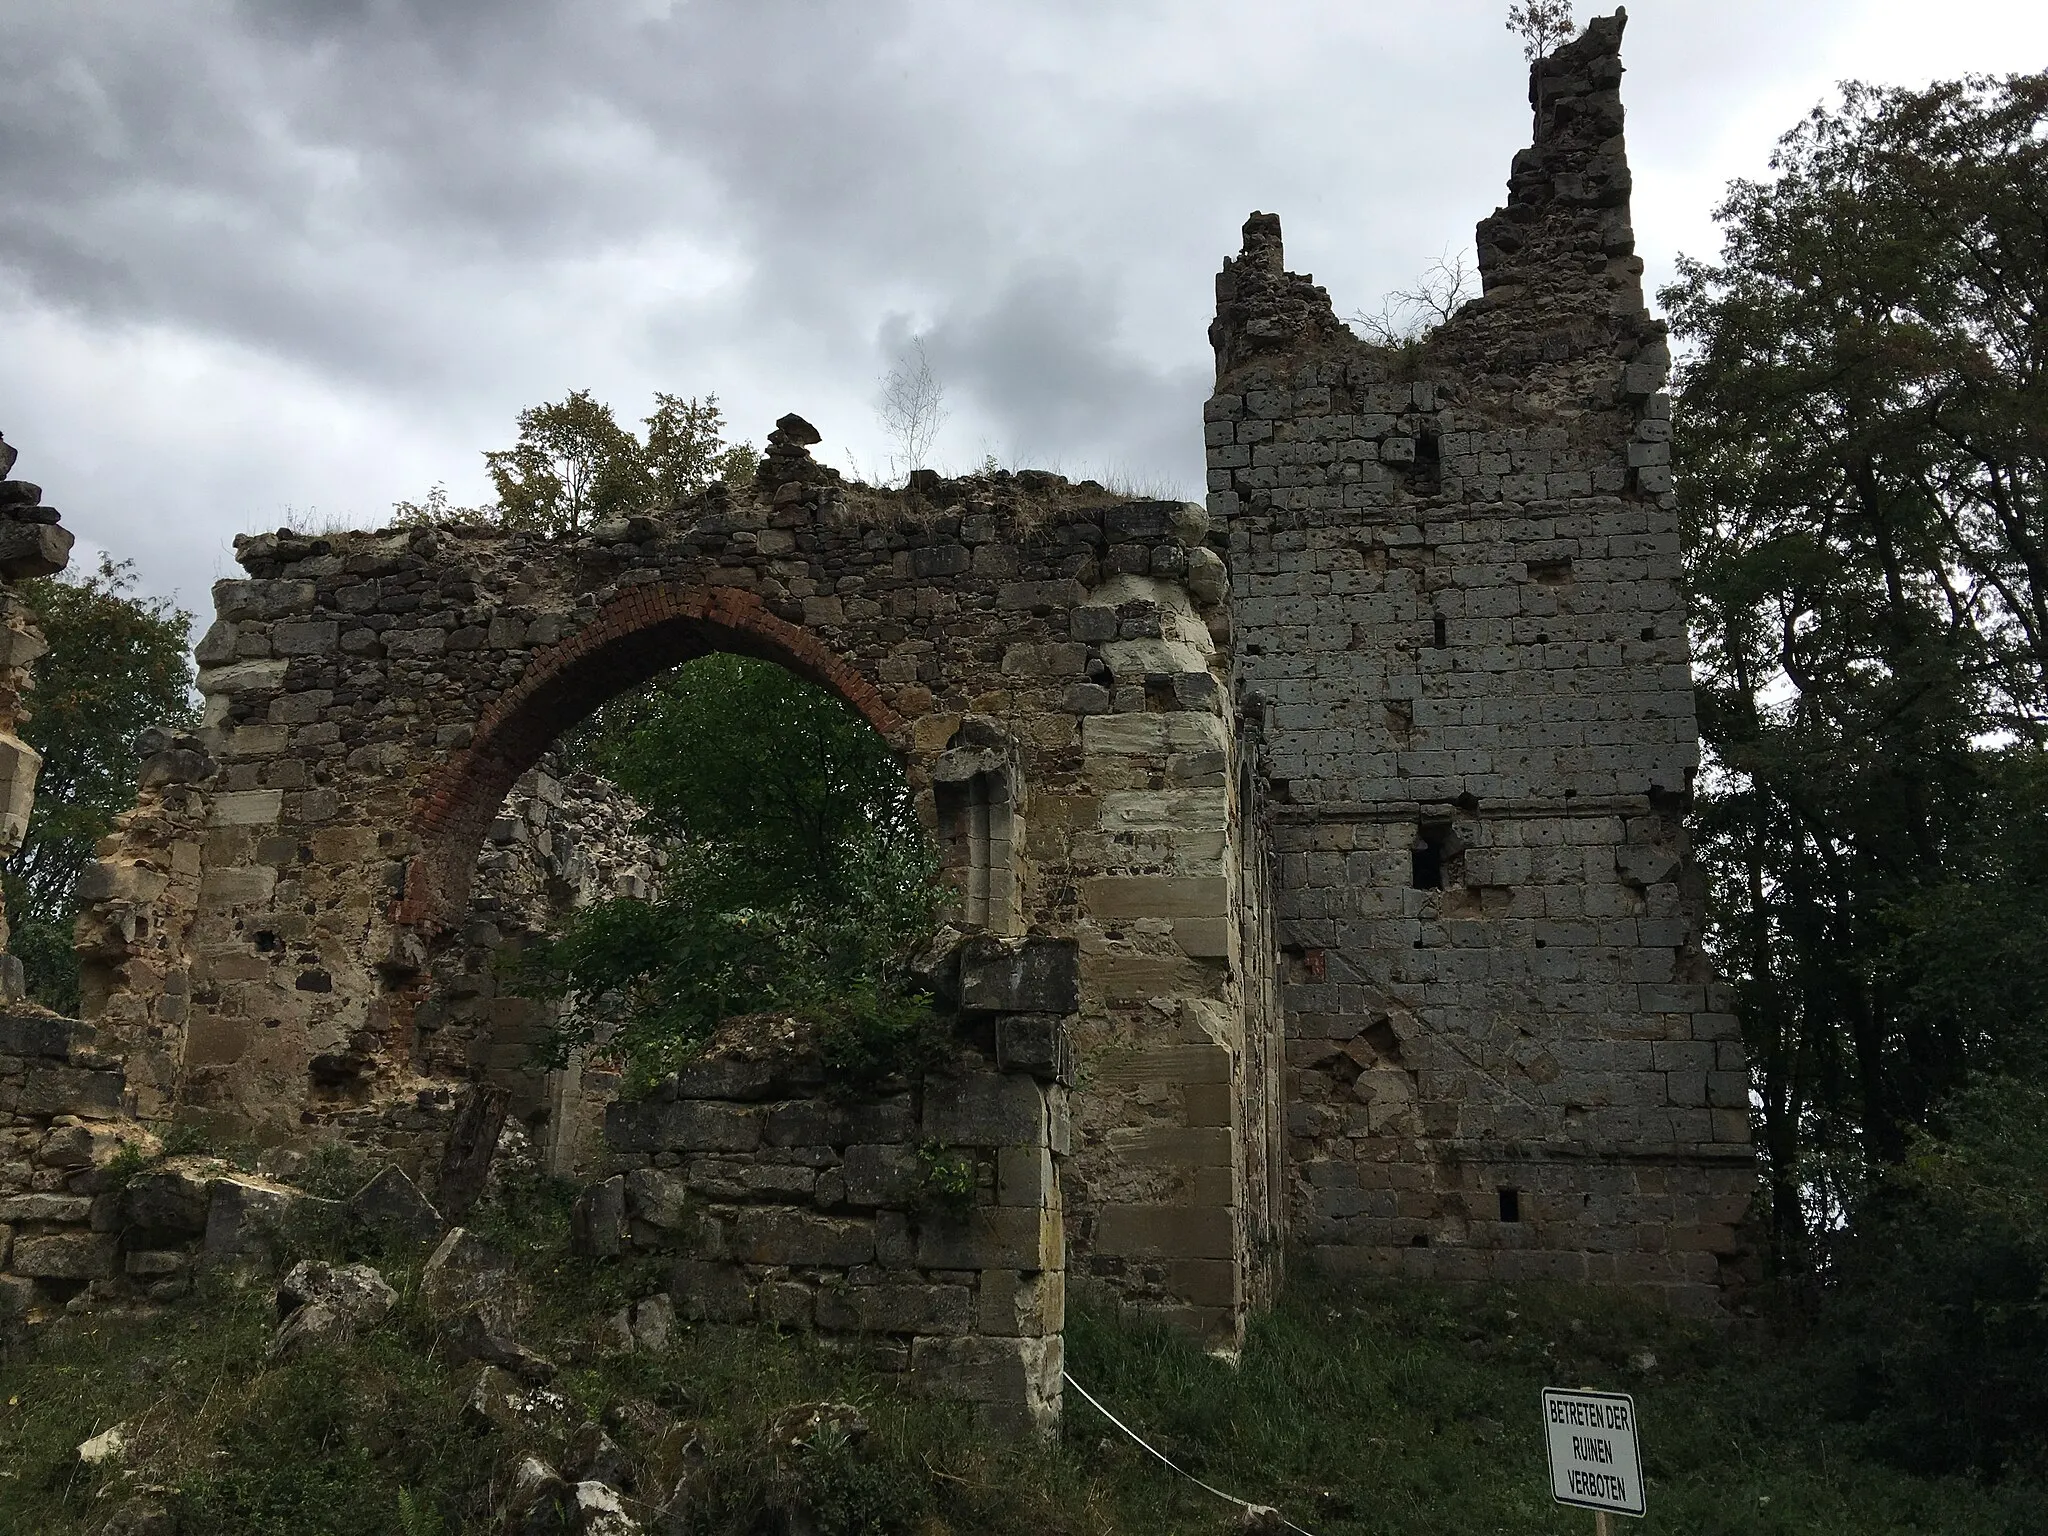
point(573, 464)
point(1541, 25)
point(912, 408)
point(1410, 313)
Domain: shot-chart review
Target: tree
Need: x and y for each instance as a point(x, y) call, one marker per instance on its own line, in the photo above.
point(1541, 25)
point(117, 665)
point(798, 873)
point(912, 409)
point(686, 448)
point(437, 508)
point(1862, 442)
point(572, 466)
point(1411, 313)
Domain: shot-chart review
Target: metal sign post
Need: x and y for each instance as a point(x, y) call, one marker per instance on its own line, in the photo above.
point(1595, 1462)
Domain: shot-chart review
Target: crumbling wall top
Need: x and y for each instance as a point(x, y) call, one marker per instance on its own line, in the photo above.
point(1560, 278)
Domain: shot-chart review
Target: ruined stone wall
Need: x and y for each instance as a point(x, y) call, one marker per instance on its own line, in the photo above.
point(62, 1122)
point(1457, 616)
point(266, 936)
point(920, 1220)
point(562, 840)
point(64, 1106)
point(32, 544)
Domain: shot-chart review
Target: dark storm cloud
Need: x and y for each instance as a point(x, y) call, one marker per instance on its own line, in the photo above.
point(304, 181)
point(321, 251)
point(402, 221)
point(1047, 357)
point(302, 177)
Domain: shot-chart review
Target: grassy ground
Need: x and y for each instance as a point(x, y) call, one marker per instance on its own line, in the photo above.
point(1383, 1410)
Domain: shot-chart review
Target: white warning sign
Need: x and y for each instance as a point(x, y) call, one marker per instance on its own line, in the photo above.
point(1594, 1462)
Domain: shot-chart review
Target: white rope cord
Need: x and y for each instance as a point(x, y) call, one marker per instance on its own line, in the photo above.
point(1228, 1498)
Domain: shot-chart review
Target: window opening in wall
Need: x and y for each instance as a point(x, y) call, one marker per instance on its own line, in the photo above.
point(980, 829)
point(1429, 461)
point(1426, 855)
point(1510, 1204)
point(1419, 1240)
point(977, 840)
point(1442, 633)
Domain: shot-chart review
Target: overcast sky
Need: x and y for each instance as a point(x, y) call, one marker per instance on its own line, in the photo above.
point(291, 260)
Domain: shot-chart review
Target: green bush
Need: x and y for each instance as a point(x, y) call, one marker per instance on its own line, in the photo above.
point(1933, 1327)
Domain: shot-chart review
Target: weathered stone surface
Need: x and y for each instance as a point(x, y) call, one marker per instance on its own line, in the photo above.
point(141, 1517)
point(985, 1109)
point(47, 1090)
point(598, 1218)
point(19, 765)
point(657, 1196)
point(712, 1292)
point(1463, 631)
point(40, 1034)
point(392, 1206)
point(324, 1304)
point(46, 1208)
point(776, 1235)
point(496, 1401)
point(538, 1504)
point(1041, 1044)
point(28, 550)
point(598, 1511)
point(1033, 975)
point(471, 1334)
point(243, 1217)
point(991, 1237)
point(811, 1122)
point(17, 1295)
point(65, 1255)
point(72, 1143)
point(464, 1272)
point(1013, 1383)
point(881, 1175)
point(684, 1125)
point(153, 1264)
point(107, 1445)
point(653, 1324)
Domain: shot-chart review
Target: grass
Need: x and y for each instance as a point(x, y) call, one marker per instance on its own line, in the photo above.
point(1361, 1410)
point(1393, 1410)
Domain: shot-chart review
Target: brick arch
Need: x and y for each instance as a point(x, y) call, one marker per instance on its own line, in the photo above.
point(633, 638)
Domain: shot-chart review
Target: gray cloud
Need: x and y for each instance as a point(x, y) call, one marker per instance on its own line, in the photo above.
point(263, 256)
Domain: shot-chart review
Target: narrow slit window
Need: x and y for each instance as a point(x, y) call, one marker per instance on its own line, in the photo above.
point(1510, 1204)
point(977, 830)
point(1426, 855)
point(1442, 633)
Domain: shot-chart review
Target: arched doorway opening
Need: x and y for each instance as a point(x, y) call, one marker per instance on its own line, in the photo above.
point(712, 828)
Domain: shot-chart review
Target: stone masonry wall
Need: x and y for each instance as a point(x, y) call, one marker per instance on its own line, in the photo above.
point(1457, 619)
point(262, 937)
point(64, 1106)
point(33, 544)
point(560, 841)
point(62, 1121)
point(919, 1221)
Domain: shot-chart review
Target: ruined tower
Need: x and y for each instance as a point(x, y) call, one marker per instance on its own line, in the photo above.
point(1458, 626)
